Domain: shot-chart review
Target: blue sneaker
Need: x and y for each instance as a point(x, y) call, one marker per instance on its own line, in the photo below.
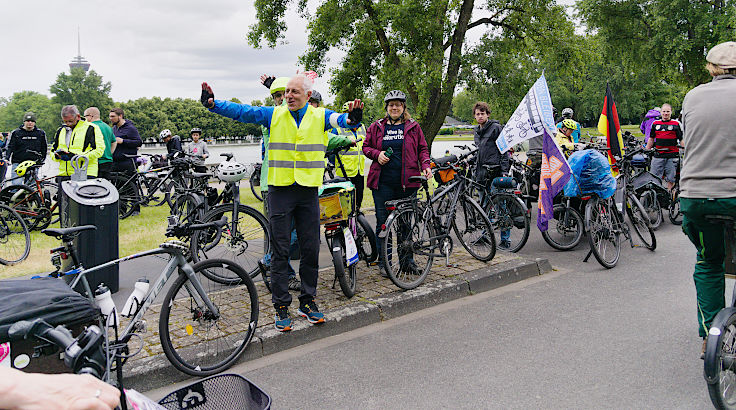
point(310, 311)
point(283, 321)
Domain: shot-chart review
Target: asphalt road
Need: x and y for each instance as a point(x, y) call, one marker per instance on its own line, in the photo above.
point(579, 337)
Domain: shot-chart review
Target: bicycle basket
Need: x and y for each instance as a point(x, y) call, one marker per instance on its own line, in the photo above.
point(335, 205)
point(224, 391)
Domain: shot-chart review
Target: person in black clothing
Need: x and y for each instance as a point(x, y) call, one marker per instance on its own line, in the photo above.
point(128, 141)
point(485, 137)
point(173, 144)
point(28, 142)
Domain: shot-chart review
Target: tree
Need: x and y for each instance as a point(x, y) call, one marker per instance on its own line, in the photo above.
point(47, 113)
point(414, 45)
point(462, 106)
point(83, 89)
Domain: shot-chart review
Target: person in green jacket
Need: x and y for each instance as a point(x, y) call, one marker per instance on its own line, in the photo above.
point(104, 163)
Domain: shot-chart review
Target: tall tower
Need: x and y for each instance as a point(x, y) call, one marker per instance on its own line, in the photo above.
point(79, 61)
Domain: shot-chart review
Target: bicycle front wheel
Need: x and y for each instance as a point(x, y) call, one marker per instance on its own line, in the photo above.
point(201, 342)
point(675, 213)
point(648, 200)
point(603, 236)
point(407, 250)
point(474, 230)
point(127, 194)
point(245, 244)
point(640, 223)
point(255, 184)
point(28, 204)
point(510, 221)
point(565, 229)
point(15, 241)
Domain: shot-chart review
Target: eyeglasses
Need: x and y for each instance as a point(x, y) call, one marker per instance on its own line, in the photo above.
point(87, 115)
point(277, 94)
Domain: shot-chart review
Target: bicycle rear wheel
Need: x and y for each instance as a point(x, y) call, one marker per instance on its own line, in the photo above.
point(127, 193)
point(407, 249)
point(510, 221)
point(648, 200)
point(640, 223)
point(604, 238)
point(200, 342)
point(245, 245)
point(366, 240)
point(28, 204)
point(346, 275)
point(719, 362)
point(255, 184)
point(565, 229)
point(15, 240)
point(474, 230)
point(675, 213)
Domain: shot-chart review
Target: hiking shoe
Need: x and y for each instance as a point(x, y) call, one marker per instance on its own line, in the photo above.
point(294, 283)
point(504, 244)
point(310, 311)
point(283, 321)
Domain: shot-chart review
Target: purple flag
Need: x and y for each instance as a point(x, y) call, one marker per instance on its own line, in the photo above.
point(555, 174)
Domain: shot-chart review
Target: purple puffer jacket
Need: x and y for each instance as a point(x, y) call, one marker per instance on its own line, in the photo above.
point(415, 153)
point(646, 125)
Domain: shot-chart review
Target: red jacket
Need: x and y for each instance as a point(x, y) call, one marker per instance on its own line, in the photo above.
point(415, 153)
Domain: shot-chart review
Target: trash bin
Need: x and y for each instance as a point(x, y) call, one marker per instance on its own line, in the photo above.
point(94, 202)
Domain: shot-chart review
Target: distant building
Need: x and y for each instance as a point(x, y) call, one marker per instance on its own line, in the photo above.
point(79, 61)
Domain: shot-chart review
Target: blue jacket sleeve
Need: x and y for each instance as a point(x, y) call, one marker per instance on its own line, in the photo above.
point(342, 120)
point(244, 112)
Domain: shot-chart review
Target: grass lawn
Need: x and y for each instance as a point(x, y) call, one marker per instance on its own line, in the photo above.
point(593, 132)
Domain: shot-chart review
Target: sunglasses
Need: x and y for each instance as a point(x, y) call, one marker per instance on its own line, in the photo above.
point(277, 94)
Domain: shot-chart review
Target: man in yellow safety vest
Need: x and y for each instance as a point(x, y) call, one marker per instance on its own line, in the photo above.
point(296, 153)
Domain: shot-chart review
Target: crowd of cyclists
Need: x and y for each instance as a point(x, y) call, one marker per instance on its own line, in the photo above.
point(298, 132)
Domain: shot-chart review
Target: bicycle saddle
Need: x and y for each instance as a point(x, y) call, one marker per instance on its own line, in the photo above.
point(228, 155)
point(130, 156)
point(444, 160)
point(418, 178)
point(62, 232)
point(200, 175)
point(334, 180)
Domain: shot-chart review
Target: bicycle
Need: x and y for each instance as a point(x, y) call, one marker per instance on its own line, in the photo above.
point(674, 212)
point(719, 360)
point(566, 228)
point(15, 240)
point(605, 223)
point(38, 203)
point(420, 229)
point(195, 306)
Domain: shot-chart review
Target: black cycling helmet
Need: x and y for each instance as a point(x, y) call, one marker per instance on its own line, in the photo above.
point(394, 95)
point(197, 130)
point(316, 96)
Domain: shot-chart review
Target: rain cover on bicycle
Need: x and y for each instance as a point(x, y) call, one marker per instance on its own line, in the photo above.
point(591, 175)
point(49, 299)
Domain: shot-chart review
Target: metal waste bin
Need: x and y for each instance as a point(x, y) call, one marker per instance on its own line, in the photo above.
point(94, 202)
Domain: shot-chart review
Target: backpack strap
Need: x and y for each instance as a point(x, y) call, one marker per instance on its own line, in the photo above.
point(89, 138)
point(55, 145)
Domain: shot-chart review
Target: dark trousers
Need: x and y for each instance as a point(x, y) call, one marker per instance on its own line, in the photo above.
point(301, 204)
point(129, 169)
point(380, 196)
point(104, 169)
point(359, 183)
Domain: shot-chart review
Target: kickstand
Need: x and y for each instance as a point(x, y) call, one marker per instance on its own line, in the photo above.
point(590, 252)
point(334, 281)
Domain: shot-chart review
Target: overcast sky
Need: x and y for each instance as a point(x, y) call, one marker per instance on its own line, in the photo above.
point(149, 48)
point(162, 48)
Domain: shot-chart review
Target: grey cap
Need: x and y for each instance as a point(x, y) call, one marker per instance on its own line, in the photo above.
point(29, 116)
point(723, 55)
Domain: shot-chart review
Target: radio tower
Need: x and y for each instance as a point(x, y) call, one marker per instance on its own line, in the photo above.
point(79, 61)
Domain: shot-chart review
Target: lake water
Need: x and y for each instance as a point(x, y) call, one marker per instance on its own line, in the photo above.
point(251, 153)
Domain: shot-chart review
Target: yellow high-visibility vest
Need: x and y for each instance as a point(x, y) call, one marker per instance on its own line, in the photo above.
point(297, 154)
point(86, 139)
point(353, 159)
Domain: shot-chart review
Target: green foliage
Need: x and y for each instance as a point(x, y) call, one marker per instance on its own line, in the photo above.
point(180, 115)
point(462, 106)
point(47, 113)
point(446, 131)
point(83, 89)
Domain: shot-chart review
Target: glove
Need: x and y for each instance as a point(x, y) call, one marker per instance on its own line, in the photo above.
point(268, 81)
point(355, 116)
point(207, 95)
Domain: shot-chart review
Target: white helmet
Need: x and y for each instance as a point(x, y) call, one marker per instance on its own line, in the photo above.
point(567, 112)
point(231, 171)
point(165, 133)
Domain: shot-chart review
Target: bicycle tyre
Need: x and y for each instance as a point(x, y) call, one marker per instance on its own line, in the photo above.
point(675, 214)
point(28, 204)
point(565, 221)
point(174, 185)
point(346, 275)
point(599, 226)
point(366, 234)
point(187, 319)
point(127, 194)
point(405, 221)
point(15, 239)
point(649, 202)
point(481, 244)
point(719, 367)
point(516, 220)
point(640, 222)
point(245, 247)
point(256, 188)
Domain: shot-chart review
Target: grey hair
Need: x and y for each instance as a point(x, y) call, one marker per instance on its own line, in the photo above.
point(306, 82)
point(69, 110)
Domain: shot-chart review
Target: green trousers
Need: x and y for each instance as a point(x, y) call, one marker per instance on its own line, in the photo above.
point(708, 238)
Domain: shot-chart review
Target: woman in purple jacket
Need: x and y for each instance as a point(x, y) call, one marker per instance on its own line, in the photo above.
point(408, 155)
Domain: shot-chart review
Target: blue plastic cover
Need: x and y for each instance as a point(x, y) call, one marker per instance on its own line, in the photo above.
point(591, 175)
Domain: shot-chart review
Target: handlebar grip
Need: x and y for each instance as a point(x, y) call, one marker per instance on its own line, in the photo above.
point(38, 328)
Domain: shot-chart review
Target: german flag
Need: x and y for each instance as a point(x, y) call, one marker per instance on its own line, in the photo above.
point(609, 126)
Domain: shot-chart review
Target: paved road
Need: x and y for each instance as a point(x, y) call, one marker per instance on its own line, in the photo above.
point(579, 337)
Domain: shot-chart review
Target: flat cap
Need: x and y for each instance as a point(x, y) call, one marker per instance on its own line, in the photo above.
point(723, 55)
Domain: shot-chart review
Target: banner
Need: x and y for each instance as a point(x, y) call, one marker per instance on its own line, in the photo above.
point(556, 172)
point(530, 118)
point(609, 126)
